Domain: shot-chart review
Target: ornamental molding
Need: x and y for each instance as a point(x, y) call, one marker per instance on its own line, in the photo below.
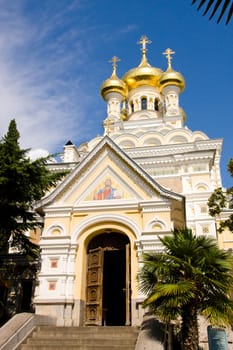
point(198, 196)
point(106, 205)
point(156, 210)
point(149, 234)
point(146, 235)
point(155, 205)
point(154, 246)
point(58, 211)
point(57, 275)
point(169, 160)
point(53, 301)
point(52, 247)
point(168, 150)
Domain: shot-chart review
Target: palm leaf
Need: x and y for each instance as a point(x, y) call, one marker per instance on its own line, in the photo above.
point(214, 6)
point(191, 275)
point(219, 311)
point(181, 288)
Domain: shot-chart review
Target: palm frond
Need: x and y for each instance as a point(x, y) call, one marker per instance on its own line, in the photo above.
point(168, 300)
point(213, 6)
point(166, 314)
point(192, 274)
point(184, 289)
point(219, 311)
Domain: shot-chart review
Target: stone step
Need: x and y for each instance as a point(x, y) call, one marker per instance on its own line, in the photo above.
point(81, 336)
point(85, 338)
point(92, 329)
point(77, 332)
point(77, 347)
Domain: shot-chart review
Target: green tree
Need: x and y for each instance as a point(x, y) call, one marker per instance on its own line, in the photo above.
point(191, 276)
point(222, 201)
point(212, 6)
point(22, 182)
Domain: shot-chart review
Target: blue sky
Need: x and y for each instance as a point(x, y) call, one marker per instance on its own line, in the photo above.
point(54, 57)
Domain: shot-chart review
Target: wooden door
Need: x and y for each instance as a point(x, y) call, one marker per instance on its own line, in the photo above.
point(127, 286)
point(94, 294)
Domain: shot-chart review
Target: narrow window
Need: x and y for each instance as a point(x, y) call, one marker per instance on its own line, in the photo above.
point(156, 105)
point(132, 107)
point(144, 103)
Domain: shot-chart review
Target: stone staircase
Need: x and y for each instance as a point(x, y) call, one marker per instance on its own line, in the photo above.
point(85, 338)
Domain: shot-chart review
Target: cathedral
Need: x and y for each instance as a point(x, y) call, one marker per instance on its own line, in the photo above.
point(147, 175)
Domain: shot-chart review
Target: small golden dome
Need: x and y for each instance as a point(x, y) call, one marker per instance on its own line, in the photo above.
point(144, 74)
point(113, 84)
point(171, 77)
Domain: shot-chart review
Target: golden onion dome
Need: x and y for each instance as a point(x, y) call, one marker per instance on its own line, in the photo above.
point(144, 74)
point(113, 84)
point(171, 77)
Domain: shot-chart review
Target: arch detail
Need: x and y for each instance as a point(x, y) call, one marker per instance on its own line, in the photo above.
point(178, 139)
point(56, 229)
point(152, 141)
point(201, 187)
point(127, 144)
point(156, 225)
point(100, 221)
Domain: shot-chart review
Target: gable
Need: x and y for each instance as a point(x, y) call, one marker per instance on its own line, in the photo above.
point(107, 165)
point(107, 179)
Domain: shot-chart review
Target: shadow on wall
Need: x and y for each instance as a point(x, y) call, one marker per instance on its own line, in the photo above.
point(154, 329)
point(155, 334)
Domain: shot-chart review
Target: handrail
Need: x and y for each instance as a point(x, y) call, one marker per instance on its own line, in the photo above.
point(19, 327)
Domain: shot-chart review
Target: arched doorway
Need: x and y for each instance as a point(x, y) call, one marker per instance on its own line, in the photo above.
point(108, 280)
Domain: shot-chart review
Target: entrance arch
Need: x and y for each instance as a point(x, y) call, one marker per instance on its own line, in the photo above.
point(108, 280)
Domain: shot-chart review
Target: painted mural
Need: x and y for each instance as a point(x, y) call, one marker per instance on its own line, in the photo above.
point(108, 191)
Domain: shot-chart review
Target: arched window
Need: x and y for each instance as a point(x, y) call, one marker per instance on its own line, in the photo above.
point(144, 103)
point(156, 104)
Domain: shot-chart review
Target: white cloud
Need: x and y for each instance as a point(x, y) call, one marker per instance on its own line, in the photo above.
point(39, 87)
point(38, 153)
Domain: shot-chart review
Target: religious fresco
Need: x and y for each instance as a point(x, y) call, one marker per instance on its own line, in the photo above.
point(107, 189)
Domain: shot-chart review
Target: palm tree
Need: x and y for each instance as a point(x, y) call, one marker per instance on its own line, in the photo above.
point(191, 276)
point(216, 5)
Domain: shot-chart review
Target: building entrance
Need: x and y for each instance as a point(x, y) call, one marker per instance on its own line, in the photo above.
point(108, 280)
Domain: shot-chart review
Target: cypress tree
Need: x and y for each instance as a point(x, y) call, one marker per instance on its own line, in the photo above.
point(22, 182)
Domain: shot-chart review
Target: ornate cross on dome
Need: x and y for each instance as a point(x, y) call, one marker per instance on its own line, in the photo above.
point(114, 61)
point(168, 53)
point(143, 41)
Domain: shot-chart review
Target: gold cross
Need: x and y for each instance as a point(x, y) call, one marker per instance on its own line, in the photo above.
point(168, 53)
point(143, 41)
point(114, 61)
